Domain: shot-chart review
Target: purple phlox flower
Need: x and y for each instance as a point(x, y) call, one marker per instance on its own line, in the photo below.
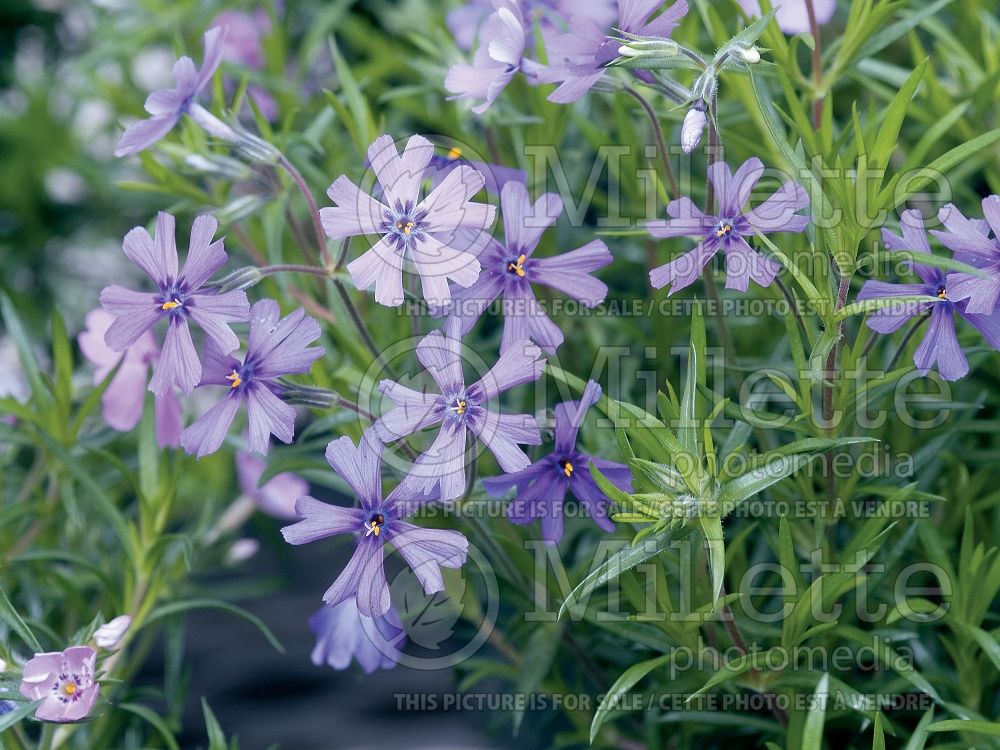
point(343, 633)
point(465, 21)
point(541, 488)
point(940, 344)
point(123, 399)
point(792, 15)
point(509, 270)
point(64, 682)
point(178, 299)
point(277, 495)
point(577, 59)
point(376, 522)
point(275, 348)
point(970, 240)
point(423, 231)
point(168, 105)
point(495, 176)
point(461, 409)
point(499, 58)
point(726, 231)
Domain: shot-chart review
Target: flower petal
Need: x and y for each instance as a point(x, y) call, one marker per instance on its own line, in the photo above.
point(358, 465)
point(178, 364)
point(206, 434)
point(321, 520)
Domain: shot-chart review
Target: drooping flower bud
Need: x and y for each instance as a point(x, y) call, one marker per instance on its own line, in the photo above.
point(109, 634)
point(694, 125)
point(750, 55)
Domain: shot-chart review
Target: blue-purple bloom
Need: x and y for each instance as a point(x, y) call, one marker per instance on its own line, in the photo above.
point(277, 496)
point(499, 58)
point(275, 348)
point(970, 240)
point(461, 409)
point(376, 522)
point(509, 270)
point(541, 488)
point(726, 230)
point(178, 299)
point(167, 106)
point(124, 397)
point(940, 344)
point(423, 231)
point(578, 59)
point(343, 633)
point(244, 33)
point(466, 20)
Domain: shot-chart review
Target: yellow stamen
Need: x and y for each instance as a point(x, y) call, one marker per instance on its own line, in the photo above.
point(376, 528)
point(69, 688)
point(518, 267)
point(235, 378)
point(942, 293)
point(455, 153)
point(170, 304)
point(460, 407)
point(567, 468)
point(406, 228)
point(723, 230)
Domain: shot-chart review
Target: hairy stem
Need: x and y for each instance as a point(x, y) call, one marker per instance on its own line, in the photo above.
point(828, 385)
point(324, 252)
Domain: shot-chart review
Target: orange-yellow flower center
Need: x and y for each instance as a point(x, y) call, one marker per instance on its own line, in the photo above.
point(234, 378)
point(69, 688)
point(723, 230)
point(170, 304)
point(567, 468)
point(405, 227)
point(517, 267)
point(942, 293)
point(460, 406)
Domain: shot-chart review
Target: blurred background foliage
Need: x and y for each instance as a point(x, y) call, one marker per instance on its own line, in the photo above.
point(339, 73)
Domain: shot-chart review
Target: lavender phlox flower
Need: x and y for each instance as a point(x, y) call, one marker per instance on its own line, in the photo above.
point(343, 633)
point(972, 244)
point(792, 15)
point(64, 682)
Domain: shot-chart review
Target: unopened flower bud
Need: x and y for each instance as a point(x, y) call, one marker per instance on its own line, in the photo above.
point(109, 634)
point(694, 125)
point(240, 279)
point(626, 51)
point(241, 550)
point(750, 54)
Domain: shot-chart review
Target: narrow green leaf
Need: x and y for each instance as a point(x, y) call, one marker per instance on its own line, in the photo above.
point(625, 682)
point(812, 731)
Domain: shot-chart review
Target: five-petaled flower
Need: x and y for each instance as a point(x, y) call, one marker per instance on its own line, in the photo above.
point(343, 633)
point(499, 58)
point(461, 409)
point(427, 232)
point(167, 106)
point(178, 299)
point(940, 344)
point(578, 58)
point(541, 488)
point(64, 682)
point(509, 270)
point(727, 230)
point(275, 348)
point(375, 523)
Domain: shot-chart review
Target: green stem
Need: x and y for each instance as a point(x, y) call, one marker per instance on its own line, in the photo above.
point(299, 180)
point(906, 340)
point(293, 268)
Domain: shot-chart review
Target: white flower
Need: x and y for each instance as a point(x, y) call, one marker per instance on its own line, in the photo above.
point(109, 634)
point(691, 130)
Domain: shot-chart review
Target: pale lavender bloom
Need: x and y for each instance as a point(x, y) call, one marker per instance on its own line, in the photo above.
point(792, 15)
point(970, 240)
point(509, 270)
point(64, 682)
point(541, 488)
point(179, 298)
point(124, 397)
point(465, 21)
point(460, 410)
point(275, 348)
point(376, 522)
point(499, 58)
point(940, 344)
point(343, 633)
point(577, 59)
point(167, 106)
point(277, 495)
point(423, 231)
point(726, 231)
point(694, 126)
